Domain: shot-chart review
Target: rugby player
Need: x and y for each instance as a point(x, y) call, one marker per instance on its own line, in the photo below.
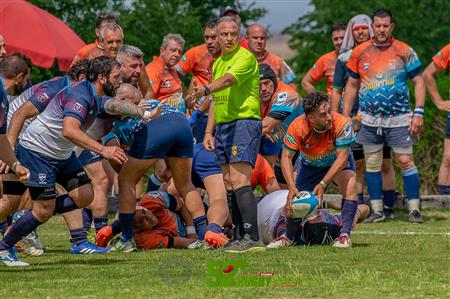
point(235, 114)
point(2, 48)
point(323, 139)
point(324, 66)
point(359, 30)
point(379, 70)
point(441, 61)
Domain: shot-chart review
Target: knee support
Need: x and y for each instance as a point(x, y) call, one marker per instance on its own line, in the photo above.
point(374, 161)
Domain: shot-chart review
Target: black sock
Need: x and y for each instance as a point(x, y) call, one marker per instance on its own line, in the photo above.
point(235, 216)
point(246, 202)
point(116, 227)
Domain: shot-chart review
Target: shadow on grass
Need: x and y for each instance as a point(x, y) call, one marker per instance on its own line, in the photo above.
point(90, 262)
point(362, 245)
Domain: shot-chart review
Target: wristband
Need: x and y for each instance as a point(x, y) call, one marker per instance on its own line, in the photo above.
point(419, 111)
point(147, 114)
point(324, 185)
point(190, 230)
point(14, 166)
point(207, 91)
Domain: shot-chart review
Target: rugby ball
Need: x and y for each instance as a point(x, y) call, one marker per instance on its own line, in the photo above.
point(304, 204)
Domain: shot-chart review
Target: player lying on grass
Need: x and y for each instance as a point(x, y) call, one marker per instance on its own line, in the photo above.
point(157, 223)
point(320, 228)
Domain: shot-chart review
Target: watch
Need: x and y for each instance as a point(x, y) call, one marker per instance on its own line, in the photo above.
point(207, 91)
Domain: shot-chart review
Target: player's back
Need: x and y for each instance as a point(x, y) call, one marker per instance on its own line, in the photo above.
point(269, 209)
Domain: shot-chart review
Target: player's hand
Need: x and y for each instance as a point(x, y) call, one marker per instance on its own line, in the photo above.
point(115, 154)
point(292, 193)
point(416, 126)
point(444, 106)
point(198, 92)
point(144, 104)
point(318, 191)
point(3, 167)
point(155, 113)
point(22, 173)
point(208, 142)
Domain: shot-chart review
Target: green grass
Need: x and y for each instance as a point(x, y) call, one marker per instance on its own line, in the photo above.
point(378, 266)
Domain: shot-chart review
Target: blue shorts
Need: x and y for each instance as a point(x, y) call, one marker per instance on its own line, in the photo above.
point(447, 131)
point(393, 137)
point(167, 136)
point(309, 176)
point(269, 148)
point(199, 129)
point(87, 157)
point(238, 141)
point(203, 165)
point(46, 171)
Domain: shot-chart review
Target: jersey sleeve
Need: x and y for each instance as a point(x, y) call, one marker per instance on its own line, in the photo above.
point(41, 96)
point(317, 72)
point(243, 68)
point(345, 136)
point(413, 64)
point(286, 73)
point(284, 105)
point(352, 64)
point(187, 62)
point(339, 75)
point(77, 107)
point(442, 58)
point(291, 139)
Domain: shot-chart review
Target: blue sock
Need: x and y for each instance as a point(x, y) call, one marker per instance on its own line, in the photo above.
point(348, 215)
point(360, 198)
point(214, 228)
point(126, 222)
point(389, 198)
point(200, 224)
point(87, 218)
point(443, 190)
point(3, 227)
point(100, 222)
point(64, 204)
point(153, 183)
point(411, 183)
point(374, 185)
point(116, 227)
point(78, 236)
point(24, 226)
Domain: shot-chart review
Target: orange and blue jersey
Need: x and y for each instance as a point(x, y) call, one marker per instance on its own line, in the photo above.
point(442, 58)
point(318, 149)
point(3, 107)
point(198, 61)
point(384, 72)
point(324, 68)
point(279, 66)
point(84, 51)
point(165, 82)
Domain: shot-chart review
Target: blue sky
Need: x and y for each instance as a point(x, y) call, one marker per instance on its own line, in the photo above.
point(281, 13)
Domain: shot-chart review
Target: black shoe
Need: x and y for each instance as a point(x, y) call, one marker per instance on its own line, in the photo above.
point(389, 214)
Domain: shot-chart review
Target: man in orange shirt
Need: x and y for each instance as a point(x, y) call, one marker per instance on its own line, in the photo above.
point(256, 39)
point(101, 19)
point(324, 66)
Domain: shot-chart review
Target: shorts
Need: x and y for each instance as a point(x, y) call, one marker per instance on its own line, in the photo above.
point(277, 169)
point(238, 141)
point(46, 171)
point(269, 148)
point(199, 129)
point(87, 157)
point(447, 131)
point(358, 151)
point(203, 165)
point(393, 137)
point(309, 176)
point(167, 136)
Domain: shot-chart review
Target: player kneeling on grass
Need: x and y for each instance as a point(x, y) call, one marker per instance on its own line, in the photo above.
point(323, 139)
point(156, 223)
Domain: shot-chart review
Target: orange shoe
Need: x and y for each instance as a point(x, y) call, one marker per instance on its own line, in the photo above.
point(104, 236)
point(216, 240)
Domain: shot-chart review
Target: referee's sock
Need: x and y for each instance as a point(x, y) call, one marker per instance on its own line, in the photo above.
point(248, 207)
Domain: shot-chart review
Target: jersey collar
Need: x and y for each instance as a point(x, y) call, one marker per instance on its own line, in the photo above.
point(93, 93)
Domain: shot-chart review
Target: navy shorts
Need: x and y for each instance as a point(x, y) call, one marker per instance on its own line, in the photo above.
point(269, 148)
point(87, 157)
point(167, 136)
point(203, 165)
point(309, 176)
point(447, 131)
point(238, 141)
point(46, 171)
point(199, 129)
point(392, 137)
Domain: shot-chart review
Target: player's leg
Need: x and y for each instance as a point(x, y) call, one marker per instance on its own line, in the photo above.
point(358, 154)
point(444, 170)
point(388, 177)
point(157, 177)
point(269, 150)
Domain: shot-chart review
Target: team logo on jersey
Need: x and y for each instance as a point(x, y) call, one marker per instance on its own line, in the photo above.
point(77, 107)
point(379, 76)
point(167, 84)
point(183, 58)
point(366, 66)
point(234, 150)
point(42, 178)
point(43, 97)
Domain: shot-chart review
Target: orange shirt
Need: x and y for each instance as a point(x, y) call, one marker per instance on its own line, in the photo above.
point(324, 67)
point(198, 61)
point(262, 173)
point(165, 82)
point(442, 58)
point(84, 51)
point(318, 149)
point(279, 66)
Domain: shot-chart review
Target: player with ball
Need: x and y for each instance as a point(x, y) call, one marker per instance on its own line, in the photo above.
point(323, 139)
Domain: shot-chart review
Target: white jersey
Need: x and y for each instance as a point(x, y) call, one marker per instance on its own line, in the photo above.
point(269, 209)
point(15, 103)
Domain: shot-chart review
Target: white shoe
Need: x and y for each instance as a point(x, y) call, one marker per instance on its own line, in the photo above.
point(31, 245)
point(343, 241)
point(281, 241)
point(9, 258)
point(199, 245)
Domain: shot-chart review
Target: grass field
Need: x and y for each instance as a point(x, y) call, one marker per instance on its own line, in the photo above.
point(388, 260)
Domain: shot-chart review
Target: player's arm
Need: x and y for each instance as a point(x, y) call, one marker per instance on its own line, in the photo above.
point(219, 84)
point(416, 126)
point(26, 111)
point(288, 171)
point(308, 83)
point(7, 156)
point(336, 96)
point(208, 141)
point(144, 84)
point(73, 132)
point(114, 142)
point(115, 106)
point(338, 85)
point(181, 243)
point(429, 75)
point(351, 92)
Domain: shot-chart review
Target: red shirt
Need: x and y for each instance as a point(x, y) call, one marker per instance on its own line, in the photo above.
point(165, 82)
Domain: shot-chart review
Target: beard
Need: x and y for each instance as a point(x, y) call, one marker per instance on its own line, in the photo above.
point(109, 89)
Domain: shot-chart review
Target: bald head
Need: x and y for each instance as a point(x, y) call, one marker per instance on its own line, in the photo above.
point(130, 93)
point(2, 47)
point(256, 38)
